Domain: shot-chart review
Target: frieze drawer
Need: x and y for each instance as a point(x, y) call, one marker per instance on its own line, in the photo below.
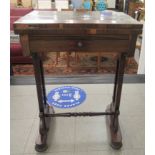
point(78, 44)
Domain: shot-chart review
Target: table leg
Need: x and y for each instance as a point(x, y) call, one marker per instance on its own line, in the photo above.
point(42, 80)
point(43, 107)
point(112, 122)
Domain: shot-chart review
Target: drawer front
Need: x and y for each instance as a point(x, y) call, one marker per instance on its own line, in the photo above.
point(78, 44)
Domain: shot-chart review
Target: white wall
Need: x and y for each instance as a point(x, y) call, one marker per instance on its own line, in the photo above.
point(141, 66)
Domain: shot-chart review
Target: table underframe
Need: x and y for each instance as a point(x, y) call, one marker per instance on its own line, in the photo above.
point(46, 112)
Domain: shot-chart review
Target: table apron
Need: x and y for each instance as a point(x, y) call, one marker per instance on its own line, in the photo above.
point(78, 45)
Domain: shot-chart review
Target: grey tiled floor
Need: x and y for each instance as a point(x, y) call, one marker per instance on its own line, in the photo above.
point(82, 135)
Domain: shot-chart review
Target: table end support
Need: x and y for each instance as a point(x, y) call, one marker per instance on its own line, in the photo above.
point(41, 141)
point(115, 136)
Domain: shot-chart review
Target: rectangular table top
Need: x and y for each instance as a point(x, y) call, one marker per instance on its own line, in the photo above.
point(77, 17)
point(77, 31)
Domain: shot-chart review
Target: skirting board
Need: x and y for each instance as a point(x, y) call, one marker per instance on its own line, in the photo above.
point(80, 79)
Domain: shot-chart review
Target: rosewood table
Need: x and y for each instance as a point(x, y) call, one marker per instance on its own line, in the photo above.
point(52, 31)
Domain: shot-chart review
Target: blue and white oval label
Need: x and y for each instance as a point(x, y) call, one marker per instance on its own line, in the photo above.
point(66, 97)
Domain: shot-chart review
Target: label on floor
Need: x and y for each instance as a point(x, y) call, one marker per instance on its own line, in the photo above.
point(66, 97)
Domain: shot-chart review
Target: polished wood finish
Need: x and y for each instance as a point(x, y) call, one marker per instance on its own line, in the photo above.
point(112, 122)
point(78, 44)
point(43, 107)
point(81, 31)
point(77, 31)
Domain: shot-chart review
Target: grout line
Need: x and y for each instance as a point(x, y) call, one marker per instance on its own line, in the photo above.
point(101, 151)
point(47, 153)
point(74, 134)
point(28, 136)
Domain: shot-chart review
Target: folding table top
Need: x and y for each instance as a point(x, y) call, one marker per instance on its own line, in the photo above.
point(70, 17)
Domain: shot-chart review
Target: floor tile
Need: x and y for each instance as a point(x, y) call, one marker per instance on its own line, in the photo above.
point(88, 88)
point(82, 135)
point(91, 134)
point(19, 131)
point(63, 135)
point(16, 154)
point(134, 152)
point(113, 152)
point(95, 103)
point(133, 129)
point(60, 136)
point(132, 105)
point(23, 107)
point(52, 153)
point(23, 90)
point(133, 89)
point(129, 88)
point(105, 152)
